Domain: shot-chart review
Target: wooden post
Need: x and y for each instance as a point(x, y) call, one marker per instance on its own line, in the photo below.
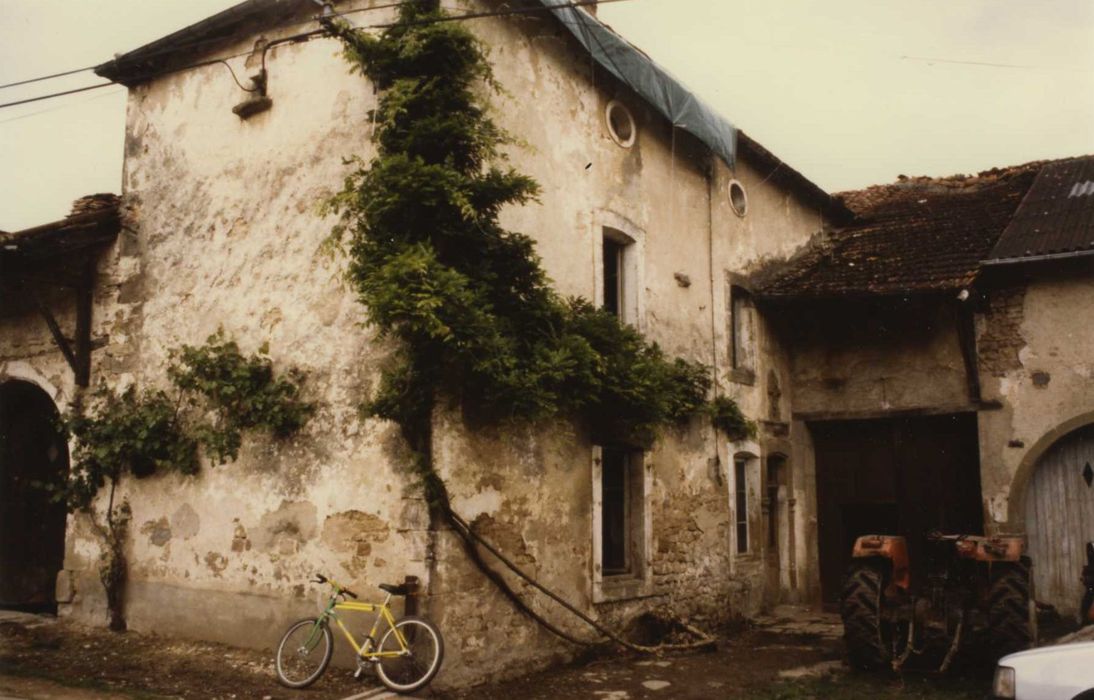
point(85, 290)
point(410, 602)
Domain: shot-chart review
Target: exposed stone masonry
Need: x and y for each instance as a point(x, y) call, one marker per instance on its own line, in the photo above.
point(1001, 337)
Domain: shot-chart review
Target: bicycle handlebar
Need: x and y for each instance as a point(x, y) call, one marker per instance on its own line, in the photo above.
point(320, 578)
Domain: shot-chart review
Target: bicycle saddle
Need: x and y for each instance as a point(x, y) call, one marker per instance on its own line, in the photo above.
point(393, 589)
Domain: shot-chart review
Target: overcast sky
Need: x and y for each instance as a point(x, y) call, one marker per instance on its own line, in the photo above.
point(850, 92)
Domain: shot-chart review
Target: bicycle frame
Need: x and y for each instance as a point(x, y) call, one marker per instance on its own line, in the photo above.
point(366, 651)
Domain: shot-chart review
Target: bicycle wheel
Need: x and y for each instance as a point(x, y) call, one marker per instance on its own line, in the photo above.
point(415, 668)
point(304, 653)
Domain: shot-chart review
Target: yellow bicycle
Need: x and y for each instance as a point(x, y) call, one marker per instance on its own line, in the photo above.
point(406, 657)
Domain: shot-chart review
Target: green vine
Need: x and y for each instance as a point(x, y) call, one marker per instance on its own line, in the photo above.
point(240, 392)
point(727, 417)
point(217, 394)
point(475, 319)
point(469, 302)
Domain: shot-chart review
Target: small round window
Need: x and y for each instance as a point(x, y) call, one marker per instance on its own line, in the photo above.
point(620, 124)
point(737, 198)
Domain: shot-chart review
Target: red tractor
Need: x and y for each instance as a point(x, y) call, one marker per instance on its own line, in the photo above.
point(973, 587)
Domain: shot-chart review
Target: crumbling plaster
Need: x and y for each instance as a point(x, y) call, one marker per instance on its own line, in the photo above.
point(854, 359)
point(223, 232)
point(1044, 387)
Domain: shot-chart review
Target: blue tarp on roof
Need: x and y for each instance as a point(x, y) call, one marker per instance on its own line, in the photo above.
point(638, 71)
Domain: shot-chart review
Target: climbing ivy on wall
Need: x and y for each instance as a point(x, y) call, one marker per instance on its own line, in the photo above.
point(475, 321)
point(727, 417)
point(216, 394)
point(468, 301)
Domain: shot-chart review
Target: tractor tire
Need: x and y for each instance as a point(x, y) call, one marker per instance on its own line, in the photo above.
point(1009, 625)
point(861, 607)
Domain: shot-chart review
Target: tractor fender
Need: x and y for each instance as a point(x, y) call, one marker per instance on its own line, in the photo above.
point(891, 547)
point(999, 548)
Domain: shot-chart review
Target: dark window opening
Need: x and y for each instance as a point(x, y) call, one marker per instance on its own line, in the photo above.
point(740, 484)
point(740, 328)
point(615, 520)
point(613, 277)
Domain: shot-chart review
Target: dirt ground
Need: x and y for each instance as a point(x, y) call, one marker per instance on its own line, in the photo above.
point(793, 655)
point(145, 666)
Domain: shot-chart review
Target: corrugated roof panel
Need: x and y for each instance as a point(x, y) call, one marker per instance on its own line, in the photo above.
point(1056, 218)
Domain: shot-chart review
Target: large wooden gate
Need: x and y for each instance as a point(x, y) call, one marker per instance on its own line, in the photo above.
point(896, 476)
point(1060, 519)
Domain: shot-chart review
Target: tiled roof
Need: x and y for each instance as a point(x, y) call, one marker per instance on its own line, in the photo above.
point(1056, 218)
point(93, 220)
point(917, 235)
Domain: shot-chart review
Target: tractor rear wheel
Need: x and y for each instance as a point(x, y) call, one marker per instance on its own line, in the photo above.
point(865, 633)
point(1009, 621)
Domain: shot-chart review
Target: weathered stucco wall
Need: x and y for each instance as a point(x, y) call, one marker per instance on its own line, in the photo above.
point(224, 233)
point(857, 359)
point(1035, 360)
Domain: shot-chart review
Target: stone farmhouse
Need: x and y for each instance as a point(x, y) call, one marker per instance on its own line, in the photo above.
point(909, 352)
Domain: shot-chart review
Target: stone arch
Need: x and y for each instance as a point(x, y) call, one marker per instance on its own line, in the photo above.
point(33, 451)
point(24, 371)
point(1023, 476)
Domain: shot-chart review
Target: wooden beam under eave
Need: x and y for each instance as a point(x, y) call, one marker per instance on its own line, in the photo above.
point(55, 330)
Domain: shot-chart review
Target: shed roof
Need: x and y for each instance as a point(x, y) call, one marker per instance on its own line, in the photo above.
point(93, 220)
point(1056, 218)
point(916, 236)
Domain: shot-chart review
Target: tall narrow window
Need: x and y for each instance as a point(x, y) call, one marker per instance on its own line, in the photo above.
point(615, 513)
point(613, 277)
point(741, 331)
point(740, 485)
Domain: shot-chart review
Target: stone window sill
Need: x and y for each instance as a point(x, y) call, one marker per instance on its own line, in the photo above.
point(742, 375)
point(623, 587)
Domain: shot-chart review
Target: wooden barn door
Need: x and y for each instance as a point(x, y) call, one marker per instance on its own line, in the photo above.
point(1060, 519)
point(895, 476)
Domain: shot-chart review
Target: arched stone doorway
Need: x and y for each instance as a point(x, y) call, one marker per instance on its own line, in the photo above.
point(1059, 518)
point(32, 526)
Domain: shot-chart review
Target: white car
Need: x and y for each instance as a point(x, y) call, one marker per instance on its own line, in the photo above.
point(1062, 672)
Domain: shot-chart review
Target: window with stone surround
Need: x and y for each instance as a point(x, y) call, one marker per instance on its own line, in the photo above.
point(621, 523)
point(619, 293)
point(742, 334)
point(744, 486)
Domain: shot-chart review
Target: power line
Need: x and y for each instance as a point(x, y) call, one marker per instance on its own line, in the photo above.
point(987, 64)
point(57, 94)
point(65, 105)
point(46, 77)
point(200, 42)
point(307, 36)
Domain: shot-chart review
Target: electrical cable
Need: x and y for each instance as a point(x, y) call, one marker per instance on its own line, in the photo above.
point(306, 36)
point(63, 105)
point(193, 44)
point(57, 94)
point(309, 35)
point(199, 42)
point(46, 77)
